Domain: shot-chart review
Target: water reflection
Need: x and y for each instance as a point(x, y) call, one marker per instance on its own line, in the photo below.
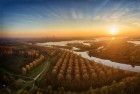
point(110, 63)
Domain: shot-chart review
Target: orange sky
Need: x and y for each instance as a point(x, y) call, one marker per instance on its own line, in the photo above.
point(68, 30)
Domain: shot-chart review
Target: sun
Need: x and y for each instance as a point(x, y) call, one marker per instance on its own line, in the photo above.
point(113, 30)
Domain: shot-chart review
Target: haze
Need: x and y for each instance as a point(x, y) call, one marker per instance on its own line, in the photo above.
point(69, 18)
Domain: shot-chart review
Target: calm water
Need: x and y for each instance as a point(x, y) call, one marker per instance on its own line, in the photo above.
point(98, 60)
point(134, 42)
point(110, 63)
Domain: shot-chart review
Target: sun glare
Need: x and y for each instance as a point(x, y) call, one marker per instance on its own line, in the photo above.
point(113, 30)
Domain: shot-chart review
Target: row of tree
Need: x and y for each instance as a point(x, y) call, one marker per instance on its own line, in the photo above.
point(128, 85)
point(32, 64)
point(9, 50)
point(73, 72)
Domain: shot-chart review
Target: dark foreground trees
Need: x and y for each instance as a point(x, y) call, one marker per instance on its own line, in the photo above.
point(74, 73)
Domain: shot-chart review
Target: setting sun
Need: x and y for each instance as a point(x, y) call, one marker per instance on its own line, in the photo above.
point(113, 30)
point(70, 47)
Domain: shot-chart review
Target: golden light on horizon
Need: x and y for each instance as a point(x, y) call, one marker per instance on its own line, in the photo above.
point(113, 30)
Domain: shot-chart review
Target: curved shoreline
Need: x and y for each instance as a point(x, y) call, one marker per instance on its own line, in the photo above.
point(110, 63)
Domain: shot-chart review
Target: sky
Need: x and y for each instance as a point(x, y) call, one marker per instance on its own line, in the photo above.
point(44, 18)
